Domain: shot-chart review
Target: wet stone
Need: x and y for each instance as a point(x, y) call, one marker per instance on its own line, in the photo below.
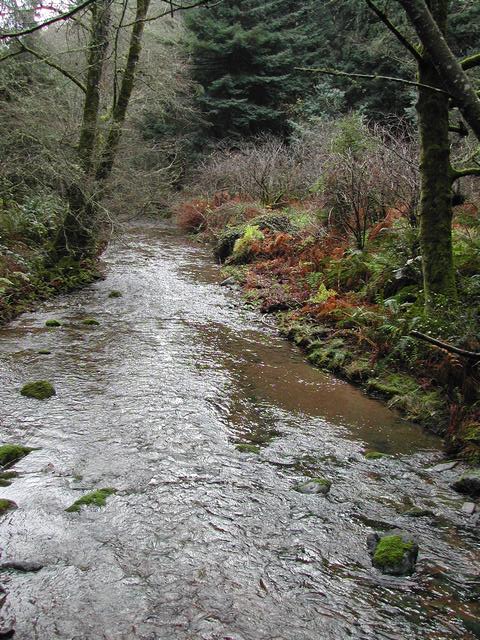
point(394, 553)
point(469, 508)
point(314, 486)
point(444, 466)
point(469, 483)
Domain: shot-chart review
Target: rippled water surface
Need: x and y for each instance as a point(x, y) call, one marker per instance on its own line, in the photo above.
point(202, 541)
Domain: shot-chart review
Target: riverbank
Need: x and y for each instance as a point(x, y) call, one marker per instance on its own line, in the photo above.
point(28, 274)
point(353, 311)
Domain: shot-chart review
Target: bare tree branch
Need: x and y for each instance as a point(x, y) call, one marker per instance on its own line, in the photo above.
point(45, 59)
point(447, 347)
point(46, 23)
point(396, 32)
point(334, 72)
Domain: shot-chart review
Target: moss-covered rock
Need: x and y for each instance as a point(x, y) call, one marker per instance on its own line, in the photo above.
point(115, 294)
point(6, 505)
point(91, 322)
point(394, 552)
point(374, 455)
point(247, 448)
point(40, 389)
point(53, 323)
point(44, 352)
point(96, 498)
point(11, 453)
point(314, 486)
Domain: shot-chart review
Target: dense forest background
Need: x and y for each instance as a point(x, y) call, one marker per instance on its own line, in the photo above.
point(317, 145)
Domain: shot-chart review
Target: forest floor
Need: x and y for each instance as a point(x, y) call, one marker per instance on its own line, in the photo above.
point(353, 310)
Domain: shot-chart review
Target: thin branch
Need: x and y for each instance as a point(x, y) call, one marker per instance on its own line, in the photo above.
point(463, 173)
point(334, 72)
point(11, 55)
point(396, 32)
point(61, 70)
point(475, 355)
point(470, 61)
point(176, 8)
point(46, 23)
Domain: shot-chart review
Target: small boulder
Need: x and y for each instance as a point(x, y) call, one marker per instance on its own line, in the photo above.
point(115, 294)
point(469, 508)
point(469, 483)
point(91, 322)
point(444, 466)
point(40, 389)
point(374, 455)
point(243, 447)
point(394, 553)
point(314, 486)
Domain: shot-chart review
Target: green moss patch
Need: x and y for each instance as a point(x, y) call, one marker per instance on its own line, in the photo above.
point(91, 322)
point(393, 384)
point(6, 478)
point(44, 352)
point(247, 448)
point(53, 323)
point(11, 453)
point(115, 294)
point(40, 389)
point(6, 505)
point(390, 551)
point(374, 455)
point(96, 498)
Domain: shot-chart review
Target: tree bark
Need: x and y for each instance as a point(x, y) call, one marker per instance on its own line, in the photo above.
point(120, 108)
point(436, 194)
point(454, 78)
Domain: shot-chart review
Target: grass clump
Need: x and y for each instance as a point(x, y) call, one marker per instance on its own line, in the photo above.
point(91, 322)
point(40, 389)
point(11, 453)
point(53, 323)
point(390, 551)
point(96, 498)
point(6, 505)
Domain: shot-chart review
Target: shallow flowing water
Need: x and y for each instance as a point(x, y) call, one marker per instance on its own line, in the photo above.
point(201, 541)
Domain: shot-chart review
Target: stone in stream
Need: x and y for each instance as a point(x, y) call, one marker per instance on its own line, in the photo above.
point(90, 322)
point(40, 389)
point(394, 553)
point(10, 453)
point(444, 466)
point(6, 505)
point(469, 508)
point(314, 486)
point(22, 566)
point(469, 483)
point(228, 282)
point(53, 323)
point(115, 294)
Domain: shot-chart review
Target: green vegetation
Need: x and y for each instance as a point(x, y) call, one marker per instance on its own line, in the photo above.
point(6, 478)
point(10, 453)
point(115, 294)
point(247, 448)
point(374, 455)
point(96, 498)
point(390, 551)
point(40, 389)
point(91, 322)
point(53, 323)
point(6, 505)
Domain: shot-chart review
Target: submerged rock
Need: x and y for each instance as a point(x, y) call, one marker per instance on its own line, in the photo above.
point(444, 466)
point(375, 455)
point(394, 553)
point(90, 322)
point(6, 478)
point(469, 508)
point(95, 498)
point(40, 389)
point(468, 483)
point(314, 486)
point(247, 448)
point(23, 566)
point(115, 294)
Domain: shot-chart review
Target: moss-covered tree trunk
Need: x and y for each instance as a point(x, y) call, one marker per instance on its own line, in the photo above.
point(436, 195)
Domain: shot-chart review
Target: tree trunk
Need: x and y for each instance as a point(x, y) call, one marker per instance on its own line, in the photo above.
point(436, 195)
point(120, 108)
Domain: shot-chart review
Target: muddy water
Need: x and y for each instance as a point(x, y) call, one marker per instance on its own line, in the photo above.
point(202, 541)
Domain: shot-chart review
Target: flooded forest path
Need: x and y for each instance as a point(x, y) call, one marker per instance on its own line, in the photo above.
point(203, 541)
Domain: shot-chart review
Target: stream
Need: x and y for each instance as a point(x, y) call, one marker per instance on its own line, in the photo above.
point(202, 541)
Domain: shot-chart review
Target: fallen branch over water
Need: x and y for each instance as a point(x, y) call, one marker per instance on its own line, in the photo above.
point(475, 355)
